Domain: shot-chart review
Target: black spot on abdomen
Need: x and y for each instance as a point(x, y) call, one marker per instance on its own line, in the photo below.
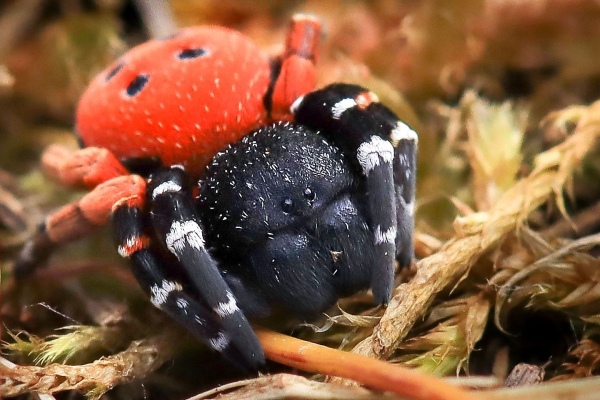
point(137, 84)
point(188, 54)
point(114, 71)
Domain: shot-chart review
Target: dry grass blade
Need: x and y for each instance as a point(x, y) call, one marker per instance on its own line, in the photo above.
point(78, 341)
point(573, 273)
point(287, 386)
point(481, 232)
point(585, 222)
point(494, 147)
point(347, 319)
point(580, 389)
point(137, 361)
point(457, 325)
point(583, 361)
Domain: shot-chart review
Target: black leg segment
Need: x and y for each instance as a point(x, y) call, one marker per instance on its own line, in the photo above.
point(384, 149)
point(35, 252)
point(165, 293)
point(168, 294)
point(405, 141)
point(175, 220)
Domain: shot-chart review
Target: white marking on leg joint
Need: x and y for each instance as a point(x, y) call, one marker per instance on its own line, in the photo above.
point(365, 99)
point(182, 234)
point(410, 208)
point(388, 236)
point(165, 187)
point(296, 104)
point(220, 342)
point(371, 153)
point(132, 245)
point(160, 294)
point(341, 107)
point(183, 304)
point(123, 250)
point(403, 132)
point(227, 308)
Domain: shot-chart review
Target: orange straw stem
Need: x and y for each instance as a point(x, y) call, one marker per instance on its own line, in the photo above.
point(372, 373)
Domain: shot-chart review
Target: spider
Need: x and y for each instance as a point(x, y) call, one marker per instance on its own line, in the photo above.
point(234, 188)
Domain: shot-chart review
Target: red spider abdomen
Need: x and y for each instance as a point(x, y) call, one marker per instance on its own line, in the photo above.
point(177, 99)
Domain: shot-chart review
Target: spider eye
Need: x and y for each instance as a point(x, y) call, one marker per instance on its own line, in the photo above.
point(309, 194)
point(287, 205)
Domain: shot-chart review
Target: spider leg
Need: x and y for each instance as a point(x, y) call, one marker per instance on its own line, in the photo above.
point(385, 150)
point(174, 218)
point(252, 303)
point(294, 74)
point(168, 294)
point(405, 141)
point(86, 167)
point(76, 220)
point(89, 168)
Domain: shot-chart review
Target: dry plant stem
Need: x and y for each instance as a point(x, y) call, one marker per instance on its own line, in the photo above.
point(576, 389)
point(508, 287)
point(139, 360)
point(581, 224)
point(481, 232)
point(287, 386)
point(372, 373)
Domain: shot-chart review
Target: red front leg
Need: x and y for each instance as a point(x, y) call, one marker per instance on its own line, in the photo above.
point(79, 219)
point(298, 74)
point(86, 167)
